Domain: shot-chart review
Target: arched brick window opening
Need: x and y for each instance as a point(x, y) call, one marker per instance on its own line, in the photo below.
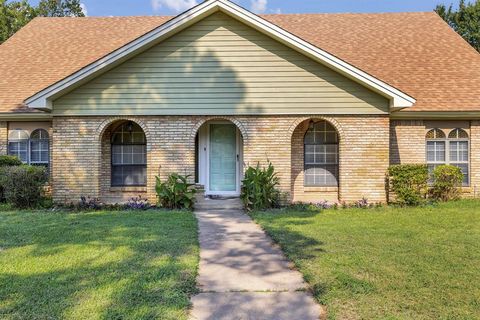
point(128, 155)
point(321, 155)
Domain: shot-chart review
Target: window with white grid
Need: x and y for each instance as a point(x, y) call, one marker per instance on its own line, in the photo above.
point(129, 156)
point(321, 155)
point(18, 144)
point(453, 150)
point(39, 147)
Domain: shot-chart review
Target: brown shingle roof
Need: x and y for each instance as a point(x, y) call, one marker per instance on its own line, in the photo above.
point(414, 52)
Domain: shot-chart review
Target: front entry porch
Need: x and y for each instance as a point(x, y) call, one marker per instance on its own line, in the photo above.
point(219, 158)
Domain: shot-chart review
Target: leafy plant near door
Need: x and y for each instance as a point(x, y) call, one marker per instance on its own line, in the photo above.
point(175, 192)
point(259, 188)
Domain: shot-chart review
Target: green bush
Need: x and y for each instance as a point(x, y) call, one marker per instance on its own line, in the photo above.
point(259, 188)
point(9, 161)
point(447, 182)
point(24, 185)
point(409, 182)
point(176, 192)
point(6, 161)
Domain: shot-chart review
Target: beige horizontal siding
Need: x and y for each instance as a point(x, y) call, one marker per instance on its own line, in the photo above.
point(220, 66)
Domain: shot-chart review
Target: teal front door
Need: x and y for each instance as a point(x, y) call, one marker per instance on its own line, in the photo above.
point(223, 158)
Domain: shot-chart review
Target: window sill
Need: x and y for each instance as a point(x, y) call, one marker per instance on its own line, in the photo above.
point(319, 189)
point(128, 189)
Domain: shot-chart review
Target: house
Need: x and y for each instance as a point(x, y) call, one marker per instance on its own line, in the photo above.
point(330, 99)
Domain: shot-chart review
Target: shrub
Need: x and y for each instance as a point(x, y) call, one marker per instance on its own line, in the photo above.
point(447, 180)
point(409, 182)
point(24, 185)
point(9, 161)
point(259, 188)
point(6, 161)
point(176, 192)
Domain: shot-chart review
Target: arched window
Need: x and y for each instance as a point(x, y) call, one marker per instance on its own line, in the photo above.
point(321, 155)
point(458, 154)
point(453, 150)
point(18, 144)
point(39, 147)
point(129, 155)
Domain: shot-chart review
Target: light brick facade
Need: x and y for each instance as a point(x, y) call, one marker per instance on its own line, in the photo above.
point(408, 143)
point(81, 154)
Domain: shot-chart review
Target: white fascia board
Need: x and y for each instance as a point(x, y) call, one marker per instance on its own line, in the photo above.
point(398, 99)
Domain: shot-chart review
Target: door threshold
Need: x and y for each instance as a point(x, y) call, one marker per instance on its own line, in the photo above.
point(221, 197)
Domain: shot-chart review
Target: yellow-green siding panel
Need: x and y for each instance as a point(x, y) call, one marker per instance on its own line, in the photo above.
point(220, 66)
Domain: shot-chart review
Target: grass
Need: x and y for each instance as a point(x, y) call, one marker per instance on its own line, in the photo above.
point(386, 263)
point(98, 265)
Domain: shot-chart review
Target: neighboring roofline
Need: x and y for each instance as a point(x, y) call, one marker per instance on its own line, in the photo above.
point(43, 99)
point(434, 115)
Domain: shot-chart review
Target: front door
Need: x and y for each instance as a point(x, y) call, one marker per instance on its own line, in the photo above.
point(223, 158)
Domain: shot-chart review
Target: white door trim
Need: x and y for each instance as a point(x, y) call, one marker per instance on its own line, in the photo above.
point(204, 160)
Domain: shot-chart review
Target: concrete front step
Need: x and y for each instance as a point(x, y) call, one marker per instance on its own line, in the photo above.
point(218, 204)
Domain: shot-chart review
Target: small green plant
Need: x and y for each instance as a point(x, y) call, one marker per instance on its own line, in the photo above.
point(259, 188)
point(24, 185)
point(176, 192)
point(447, 182)
point(6, 161)
point(409, 182)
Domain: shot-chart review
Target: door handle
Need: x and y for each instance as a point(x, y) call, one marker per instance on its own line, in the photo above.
point(238, 157)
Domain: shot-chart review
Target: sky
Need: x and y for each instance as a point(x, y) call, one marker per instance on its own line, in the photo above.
point(172, 7)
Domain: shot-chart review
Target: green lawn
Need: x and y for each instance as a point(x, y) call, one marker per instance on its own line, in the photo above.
point(387, 263)
point(100, 265)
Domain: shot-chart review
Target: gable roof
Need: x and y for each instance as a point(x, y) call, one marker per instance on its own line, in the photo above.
point(44, 98)
point(432, 64)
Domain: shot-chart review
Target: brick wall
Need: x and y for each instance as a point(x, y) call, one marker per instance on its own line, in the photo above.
point(81, 154)
point(475, 158)
point(407, 141)
point(3, 137)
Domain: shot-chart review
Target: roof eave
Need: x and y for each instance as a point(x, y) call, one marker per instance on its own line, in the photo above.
point(43, 99)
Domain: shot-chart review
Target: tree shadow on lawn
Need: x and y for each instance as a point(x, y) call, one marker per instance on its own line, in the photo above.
point(298, 247)
point(131, 267)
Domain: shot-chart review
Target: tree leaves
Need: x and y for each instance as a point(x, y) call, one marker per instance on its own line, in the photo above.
point(465, 21)
point(16, 14)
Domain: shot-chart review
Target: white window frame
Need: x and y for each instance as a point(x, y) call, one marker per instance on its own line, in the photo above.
point(336, 163)
point(121, 164)
point(47, 139)
point(446, 140)
point(19, 141)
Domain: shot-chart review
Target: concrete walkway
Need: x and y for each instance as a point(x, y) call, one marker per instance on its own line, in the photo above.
point(242, 275)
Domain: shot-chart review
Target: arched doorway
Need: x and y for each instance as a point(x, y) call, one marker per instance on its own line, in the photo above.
point(219, 158)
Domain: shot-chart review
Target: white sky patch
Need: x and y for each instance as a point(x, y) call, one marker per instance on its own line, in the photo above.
point(258, 6)
point(175, 5)
point(84, 9)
